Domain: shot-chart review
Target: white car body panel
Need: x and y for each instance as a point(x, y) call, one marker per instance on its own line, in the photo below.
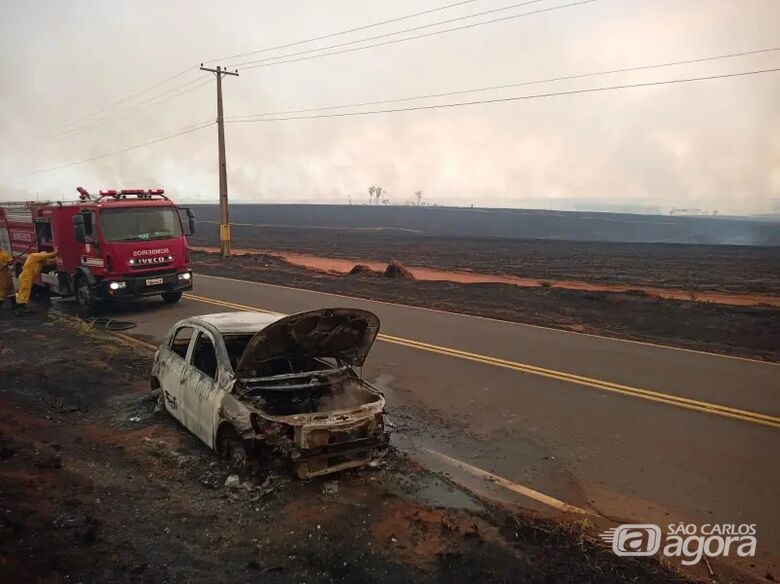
point(204, 405)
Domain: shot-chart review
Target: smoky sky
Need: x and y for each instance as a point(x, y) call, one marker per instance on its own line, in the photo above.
point(712, 145)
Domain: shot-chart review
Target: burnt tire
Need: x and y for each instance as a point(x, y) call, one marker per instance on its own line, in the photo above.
point(237, 456)
point(231, 446)
point(171, 297)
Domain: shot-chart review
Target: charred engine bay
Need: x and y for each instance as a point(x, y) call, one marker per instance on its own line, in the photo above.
point(307, 392)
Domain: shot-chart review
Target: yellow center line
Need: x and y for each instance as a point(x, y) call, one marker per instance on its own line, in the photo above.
point(646, 394)
point(578, 379)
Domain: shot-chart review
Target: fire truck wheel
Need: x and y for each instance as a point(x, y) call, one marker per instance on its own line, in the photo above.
point(171, 297)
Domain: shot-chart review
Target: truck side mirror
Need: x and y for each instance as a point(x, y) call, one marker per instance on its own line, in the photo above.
point(187, 220)
point(79, 232)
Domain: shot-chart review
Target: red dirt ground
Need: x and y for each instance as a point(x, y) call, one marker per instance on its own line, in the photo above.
point(343, 266)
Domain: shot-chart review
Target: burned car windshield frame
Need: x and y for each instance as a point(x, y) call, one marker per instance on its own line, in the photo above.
point(326, 377)
point(283, 376)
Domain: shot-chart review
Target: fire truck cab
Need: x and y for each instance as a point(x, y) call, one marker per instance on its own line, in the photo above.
point(126, 243)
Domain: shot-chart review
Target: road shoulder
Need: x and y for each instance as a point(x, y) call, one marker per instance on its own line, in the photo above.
point(101, 487)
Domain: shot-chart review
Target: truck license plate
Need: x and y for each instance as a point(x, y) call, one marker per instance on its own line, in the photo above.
point(154, 281)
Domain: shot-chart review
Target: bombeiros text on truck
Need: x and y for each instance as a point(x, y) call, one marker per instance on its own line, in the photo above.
point(118, 244)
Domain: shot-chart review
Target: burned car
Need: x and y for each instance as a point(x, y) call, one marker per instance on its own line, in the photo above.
point(257, 385)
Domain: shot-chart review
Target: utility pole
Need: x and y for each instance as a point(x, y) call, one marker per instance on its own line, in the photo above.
point(224, 216)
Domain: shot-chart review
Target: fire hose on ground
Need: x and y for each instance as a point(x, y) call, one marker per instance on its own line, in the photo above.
point(110, 324)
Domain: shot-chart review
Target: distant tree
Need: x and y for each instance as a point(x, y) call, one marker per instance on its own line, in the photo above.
point(418, 195)
point(375, 195)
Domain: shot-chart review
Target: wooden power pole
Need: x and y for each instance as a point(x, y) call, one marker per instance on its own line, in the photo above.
point(224, 215)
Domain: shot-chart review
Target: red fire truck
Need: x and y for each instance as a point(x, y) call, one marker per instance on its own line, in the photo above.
point(124, 243)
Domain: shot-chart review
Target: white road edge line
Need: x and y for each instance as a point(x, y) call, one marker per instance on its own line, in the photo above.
point(514, 487)
point(489, 319)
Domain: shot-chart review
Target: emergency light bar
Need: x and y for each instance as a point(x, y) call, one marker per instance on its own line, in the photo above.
point(142, 192)
point(121, 194)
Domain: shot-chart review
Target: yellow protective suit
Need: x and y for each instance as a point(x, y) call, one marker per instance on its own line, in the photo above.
point(6, 283)
point(32, 268)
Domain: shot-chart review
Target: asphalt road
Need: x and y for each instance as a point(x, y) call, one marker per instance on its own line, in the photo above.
point(629, 431)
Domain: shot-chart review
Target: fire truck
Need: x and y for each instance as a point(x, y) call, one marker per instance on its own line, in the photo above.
point(118, 244)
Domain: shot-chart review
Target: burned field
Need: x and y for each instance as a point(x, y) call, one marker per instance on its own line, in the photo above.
point(693, 273)
point(99, 485)
point(507, 223)
point(724, 268)
point(748, 331)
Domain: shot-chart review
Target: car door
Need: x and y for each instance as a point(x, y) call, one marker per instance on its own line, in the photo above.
point(200, 387)
point(171, 366)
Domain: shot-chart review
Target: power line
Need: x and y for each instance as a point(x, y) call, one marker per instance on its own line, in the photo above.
point(75, 122)
point(123, 150)
point(342, 32)
point(508, 99)
point(143, 106)
point(120, 101)
point(129, 110)
point(429, 34)
point(510, 85)
point(389, 34)
point(68, 130)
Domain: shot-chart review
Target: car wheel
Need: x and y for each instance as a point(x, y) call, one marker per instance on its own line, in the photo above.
point(237, 456)
point(171, 297)
point(231, 446)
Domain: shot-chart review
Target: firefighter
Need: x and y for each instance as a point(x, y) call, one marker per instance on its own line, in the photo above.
point(32, 268)
point(6, 283)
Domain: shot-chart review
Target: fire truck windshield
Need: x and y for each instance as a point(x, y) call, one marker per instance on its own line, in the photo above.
point(139, 224)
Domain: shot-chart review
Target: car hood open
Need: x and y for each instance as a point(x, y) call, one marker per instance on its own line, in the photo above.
point(345, 334)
